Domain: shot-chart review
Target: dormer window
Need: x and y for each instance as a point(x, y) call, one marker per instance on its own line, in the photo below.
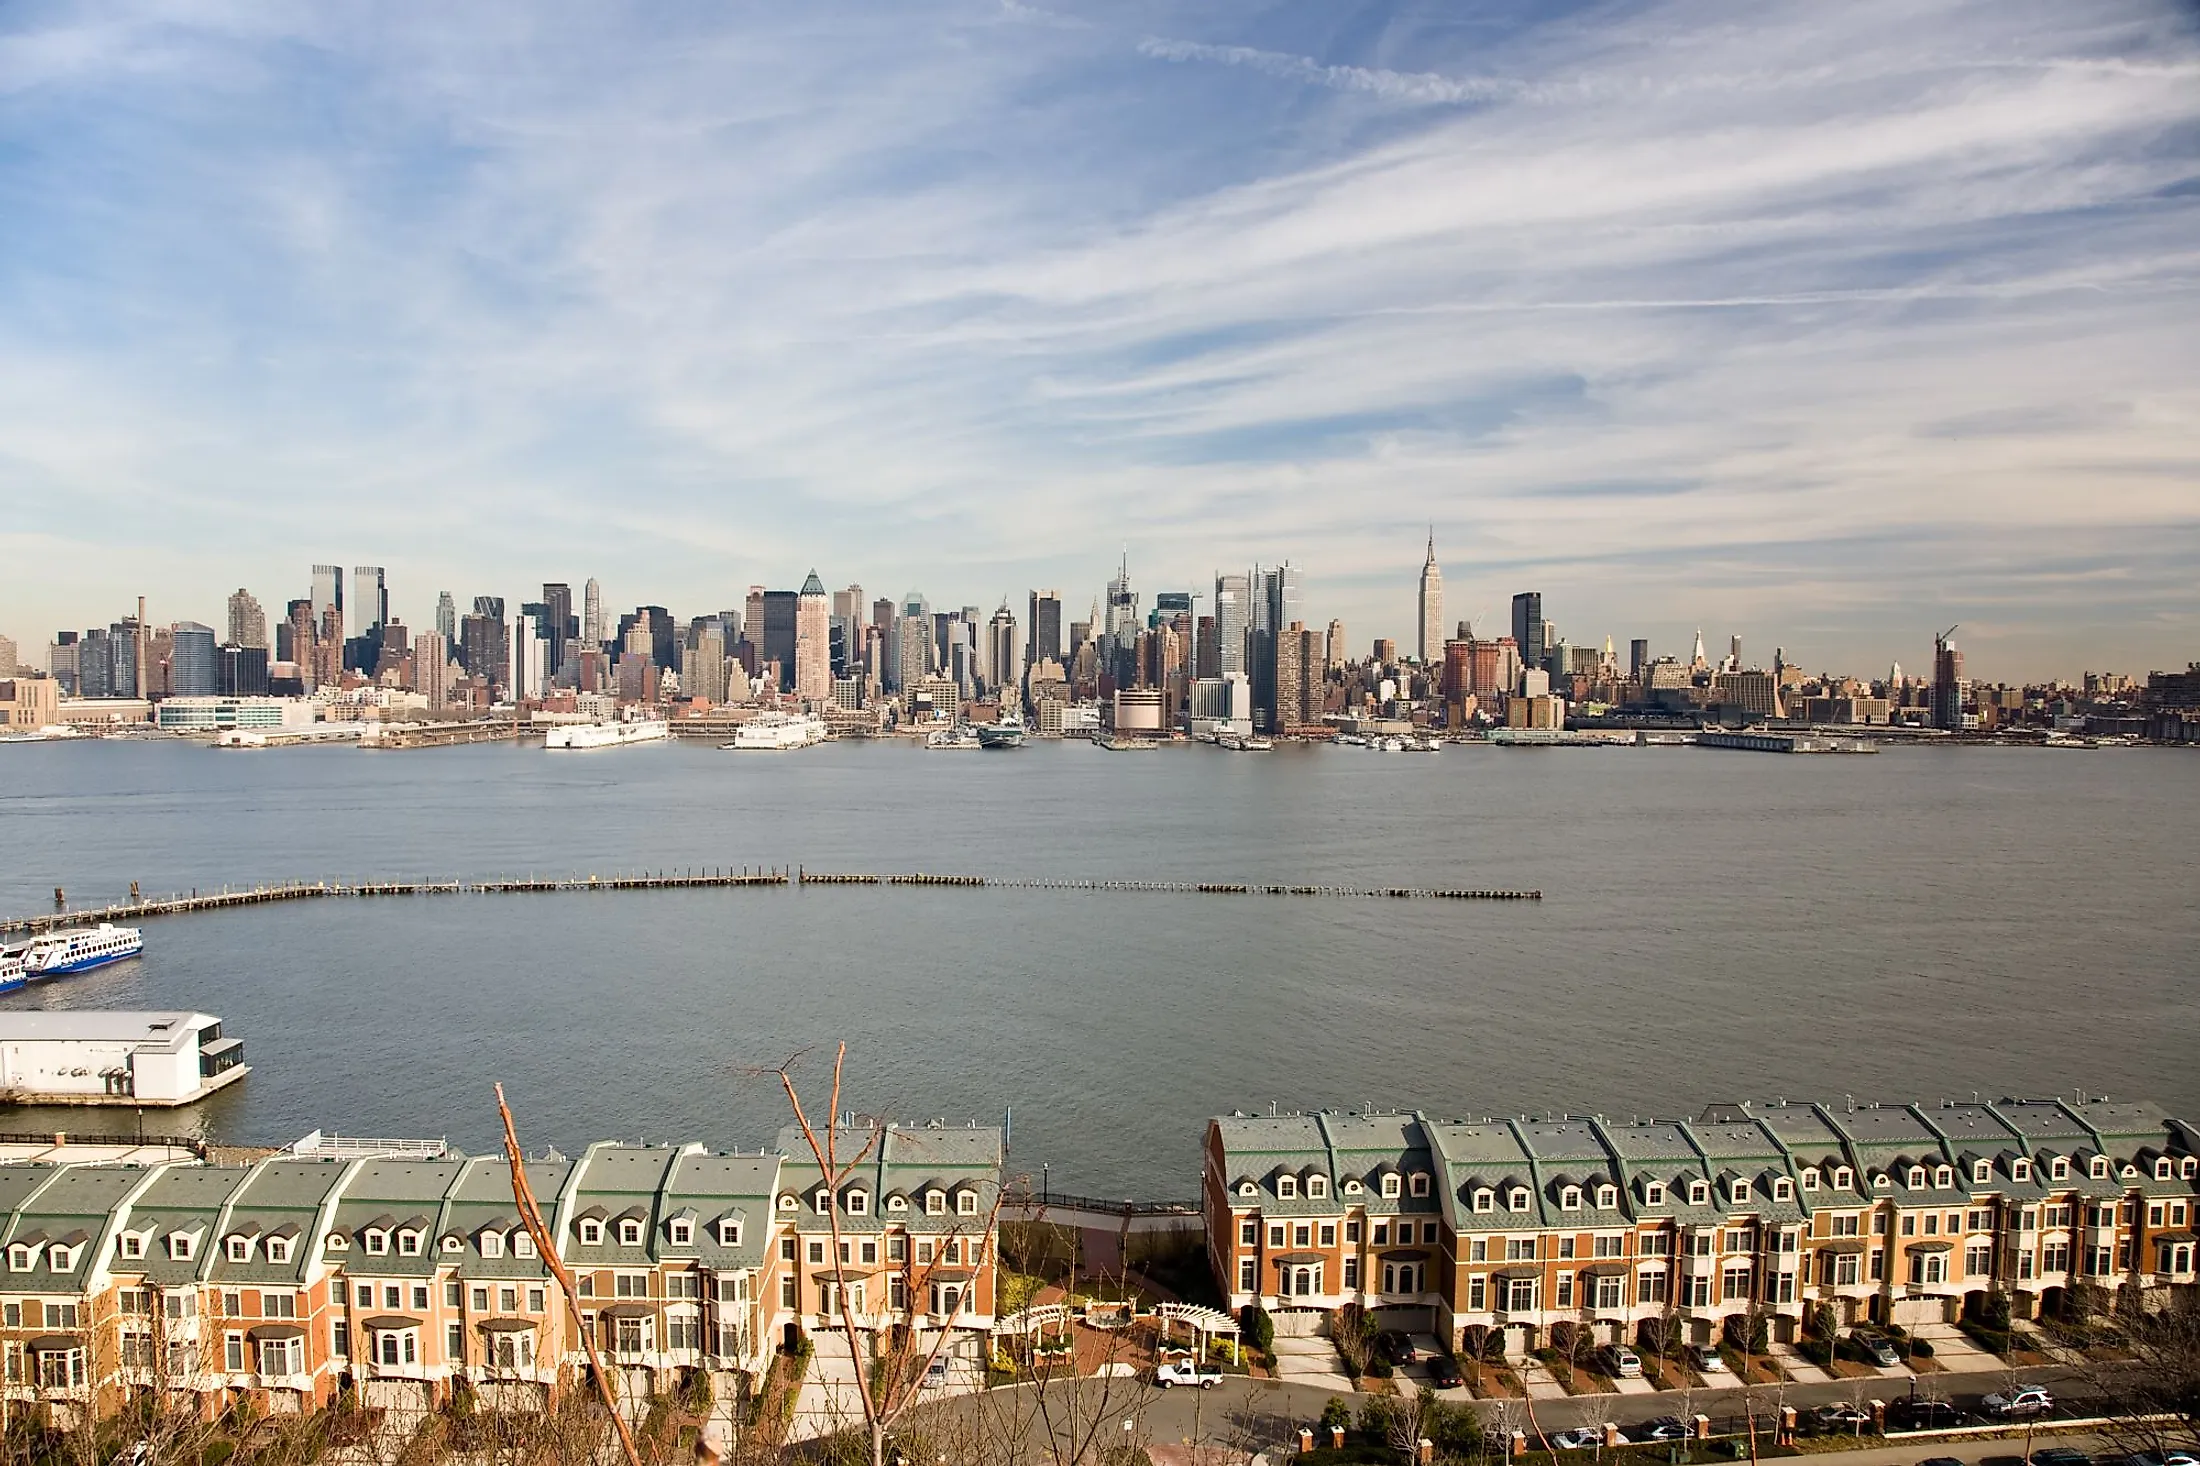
point(591, 1231)
point(967, 1203)
point(1744, 1193)
point(1247, 1188)
point(278, 1249)
point(1607, 1197)
point(1880, 1181)
point(181, 1245)
point(1420, 1183)
point(859, 1203)
point(787, 1202)
point(2098, 1168)
point(1917, 1178)
point(1352, 1187)
point(900, 1204)
point(1287, 1187)
point(1653, 1193)
point(2058, 1169)
point(630, 1231)
point(729, 1231)
point(408, 1242)
point(1982, 1173)
point(2020, 1170)
point(1699, 1193)
point(1390, 1184)
point(935, 1203)
point(60, 1257)
point(1519, 1198)
point(336, 1242)
point(1317, 1187)
point(1843, 1178)
point(1944, 1177)
point(453, 1243)
point(491, 1242)
point(823, 1201)
point(1810, 1178)
point(1569, 1198)
point(523, 1243)
point(1783, 1189)
point(681, 1232)
point(2189, 1168)
point(1485, 1200)
point(22, 1259)
point(130, 1244)
point(2161, 1168)
point(240, 1249)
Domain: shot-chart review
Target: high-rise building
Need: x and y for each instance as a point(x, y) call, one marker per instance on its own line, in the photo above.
point(1045, 643)
point(247, 622)
point(240, 671)
point(703, 661)
point(1947, 704)
point(446, 622)
point(431, 663)
point(1333, 655)
point(813, 643)
point(61, 662)
point(1734, 654)
point(8, 667)
point(530, 650)
point(295, 641)
point(912, 649)
point(1232, 592)
point(370, 602)
point(1528, 631)
point(1431, 642)
point(592, 614)
point(191, 661)
point(558, 625)
point(1638, 656)
point(483, 646)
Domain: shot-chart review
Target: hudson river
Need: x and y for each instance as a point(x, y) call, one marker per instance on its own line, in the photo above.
point(1920, 924)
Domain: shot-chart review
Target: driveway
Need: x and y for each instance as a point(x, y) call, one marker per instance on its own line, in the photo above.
point(1310, 1360)
point(1955, 1349)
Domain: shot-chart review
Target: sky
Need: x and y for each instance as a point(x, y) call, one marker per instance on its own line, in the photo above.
point(1826, 325)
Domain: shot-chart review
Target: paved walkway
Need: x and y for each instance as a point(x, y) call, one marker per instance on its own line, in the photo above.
point(1541, 1383)
point(1636, 1386)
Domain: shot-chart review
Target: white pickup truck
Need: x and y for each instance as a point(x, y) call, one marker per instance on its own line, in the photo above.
point(1187, 1372)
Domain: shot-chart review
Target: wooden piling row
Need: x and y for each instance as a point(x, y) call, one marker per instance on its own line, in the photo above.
point(138, 908)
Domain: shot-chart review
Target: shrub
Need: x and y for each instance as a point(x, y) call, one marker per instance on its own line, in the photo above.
point(1377, 1414)
point(1379, 1368)
point(1335, 1413)
point(1922, 1348)
point(1257, 1327)
point(1995, 1312)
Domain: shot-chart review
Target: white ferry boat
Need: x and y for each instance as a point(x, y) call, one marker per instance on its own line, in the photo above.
point(951, 739)
point(607, 735)
point(777, 731)
point(59, 954)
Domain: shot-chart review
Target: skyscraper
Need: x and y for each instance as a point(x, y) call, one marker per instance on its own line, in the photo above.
point(1638, 656)
point(1045, 641)
point(780, 609)
point(1001, 653)
point(1231, 596)
point(1528, 632)
point(1947, 683)
point(370, 602)
point(446, 622)
point(328, 595)
point(1432, 605)
point(247, 622)
point(592, 614)
point(557, 626)
point(813, 643)
point(191, 660)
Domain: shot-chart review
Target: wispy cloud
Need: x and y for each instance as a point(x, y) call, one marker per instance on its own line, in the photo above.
point(1782, 319)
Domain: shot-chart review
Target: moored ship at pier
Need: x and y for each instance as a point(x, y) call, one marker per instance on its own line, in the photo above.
point(607, 735)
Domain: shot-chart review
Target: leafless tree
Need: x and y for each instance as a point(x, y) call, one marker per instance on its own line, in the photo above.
point(2154, 1396)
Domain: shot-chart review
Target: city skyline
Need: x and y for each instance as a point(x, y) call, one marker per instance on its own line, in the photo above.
point(1834, 326)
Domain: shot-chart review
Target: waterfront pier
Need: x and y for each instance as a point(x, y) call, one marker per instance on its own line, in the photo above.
point(138, 908)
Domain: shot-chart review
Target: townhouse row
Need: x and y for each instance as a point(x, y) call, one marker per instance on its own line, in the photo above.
point(296, 1278)
point(1493, 1233)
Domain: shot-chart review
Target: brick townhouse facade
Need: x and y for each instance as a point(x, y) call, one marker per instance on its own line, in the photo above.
point(1493, 1232)
point(398, 1276)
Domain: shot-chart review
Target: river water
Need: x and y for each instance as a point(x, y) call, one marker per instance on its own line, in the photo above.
point(1924, 923)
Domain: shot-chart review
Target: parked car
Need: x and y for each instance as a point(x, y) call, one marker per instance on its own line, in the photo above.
point(1706, 1359)
point(935, 1374)
point(1396, 1347)
point(1942, 1461)
point(1873, 1348)
point(1443, 1372)
point(1187, 1372)
point(2015, 1405)
point(1580, 1438)
point(1664, 1428)
point(1833, 1419)
point(2059, 1456)
point(1621, 1362)
point(1923, 1415)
